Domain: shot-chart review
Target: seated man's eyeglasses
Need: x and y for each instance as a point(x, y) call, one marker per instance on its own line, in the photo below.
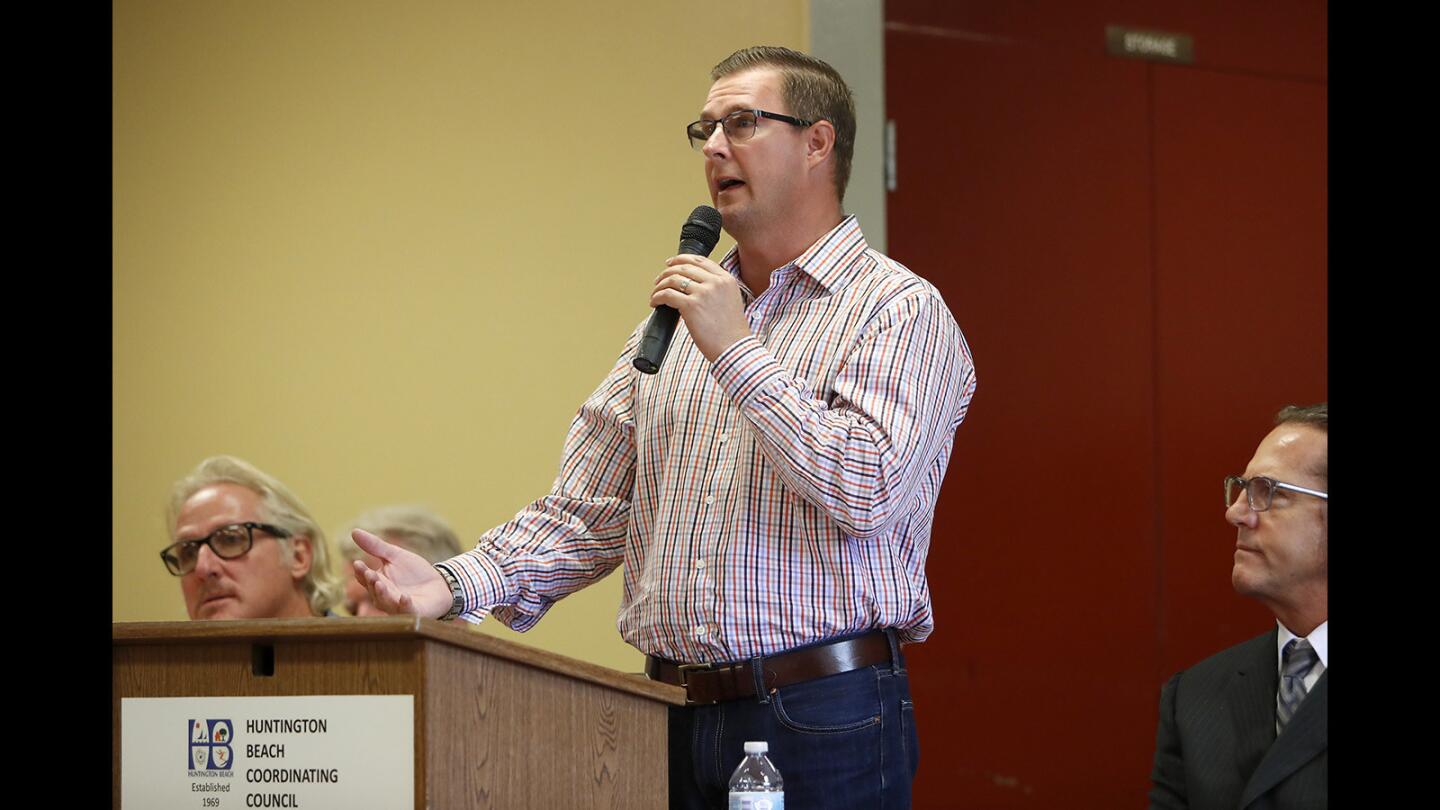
point(738, 125)
point(228, 542)
point(1260, 490)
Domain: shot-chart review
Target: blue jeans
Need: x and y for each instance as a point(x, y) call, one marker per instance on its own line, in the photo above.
point(843, 741)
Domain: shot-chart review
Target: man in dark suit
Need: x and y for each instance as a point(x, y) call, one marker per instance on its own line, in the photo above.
point(1247, 728)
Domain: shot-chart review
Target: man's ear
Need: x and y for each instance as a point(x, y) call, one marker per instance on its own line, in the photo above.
point(302, 556)
point(819, 142)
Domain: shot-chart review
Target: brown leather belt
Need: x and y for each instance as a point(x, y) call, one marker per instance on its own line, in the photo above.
point(713, 683)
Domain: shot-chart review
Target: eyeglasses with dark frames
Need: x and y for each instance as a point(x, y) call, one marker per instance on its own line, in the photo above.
point(739, 126)
point(1260, 491)
point(228, 542)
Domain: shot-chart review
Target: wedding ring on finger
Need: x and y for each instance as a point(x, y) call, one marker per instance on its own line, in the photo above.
point(685, 286)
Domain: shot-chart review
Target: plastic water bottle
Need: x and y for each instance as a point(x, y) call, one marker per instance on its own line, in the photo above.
point(756, 785)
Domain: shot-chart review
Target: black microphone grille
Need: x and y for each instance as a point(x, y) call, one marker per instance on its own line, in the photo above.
point(703, 225)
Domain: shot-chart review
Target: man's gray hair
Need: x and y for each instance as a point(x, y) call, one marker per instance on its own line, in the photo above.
point(415, 527)
point(323, 586)
point(1316, 416)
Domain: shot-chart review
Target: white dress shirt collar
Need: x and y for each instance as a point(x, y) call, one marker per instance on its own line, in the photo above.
point(1318, 638)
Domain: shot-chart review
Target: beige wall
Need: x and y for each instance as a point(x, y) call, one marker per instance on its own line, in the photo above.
point(383, 250)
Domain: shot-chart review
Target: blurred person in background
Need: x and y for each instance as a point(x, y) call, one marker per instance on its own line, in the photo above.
point(415, 528)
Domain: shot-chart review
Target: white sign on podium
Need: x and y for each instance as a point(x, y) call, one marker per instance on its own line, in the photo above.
point(312, 752)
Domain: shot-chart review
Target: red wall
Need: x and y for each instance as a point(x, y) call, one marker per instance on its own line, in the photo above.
point(1137, 255)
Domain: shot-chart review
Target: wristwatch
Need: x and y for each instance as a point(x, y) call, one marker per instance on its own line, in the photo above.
point(457, 597)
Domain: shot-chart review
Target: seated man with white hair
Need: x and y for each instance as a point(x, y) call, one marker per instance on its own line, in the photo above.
point(245, 547)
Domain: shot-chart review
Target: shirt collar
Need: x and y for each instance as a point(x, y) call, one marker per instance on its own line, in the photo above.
point(1319, 639)
point(830, 260)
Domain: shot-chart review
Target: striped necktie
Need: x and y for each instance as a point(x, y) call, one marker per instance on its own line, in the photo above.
point(1296, 661)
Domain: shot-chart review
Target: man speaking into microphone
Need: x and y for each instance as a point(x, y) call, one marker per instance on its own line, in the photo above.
point(771, 488)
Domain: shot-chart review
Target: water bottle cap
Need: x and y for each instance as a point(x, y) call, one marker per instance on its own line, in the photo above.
point(754, 747)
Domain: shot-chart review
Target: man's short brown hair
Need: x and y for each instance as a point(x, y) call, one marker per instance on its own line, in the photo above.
point(812, 90)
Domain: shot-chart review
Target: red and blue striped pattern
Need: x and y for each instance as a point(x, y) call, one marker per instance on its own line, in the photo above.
point(782, 495)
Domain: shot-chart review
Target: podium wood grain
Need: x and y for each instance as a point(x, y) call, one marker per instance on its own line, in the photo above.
point(497, 724)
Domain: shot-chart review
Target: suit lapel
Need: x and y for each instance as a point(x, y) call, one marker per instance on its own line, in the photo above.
point(1252, 702)
point(1305, 736)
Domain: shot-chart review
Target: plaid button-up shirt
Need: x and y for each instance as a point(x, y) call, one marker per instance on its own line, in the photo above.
point(782, 495)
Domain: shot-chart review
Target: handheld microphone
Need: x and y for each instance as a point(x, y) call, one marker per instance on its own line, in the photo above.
point(698, 237)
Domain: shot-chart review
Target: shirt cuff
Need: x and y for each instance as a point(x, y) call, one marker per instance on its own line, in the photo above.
point(745, 368)
point(482, 585)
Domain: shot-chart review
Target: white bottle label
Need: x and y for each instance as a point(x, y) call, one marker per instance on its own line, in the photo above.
point(757, 801)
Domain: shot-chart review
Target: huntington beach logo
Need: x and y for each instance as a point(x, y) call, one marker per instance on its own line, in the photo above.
point(210, 745)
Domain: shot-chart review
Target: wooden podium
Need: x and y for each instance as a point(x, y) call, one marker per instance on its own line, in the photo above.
point(497, 724)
